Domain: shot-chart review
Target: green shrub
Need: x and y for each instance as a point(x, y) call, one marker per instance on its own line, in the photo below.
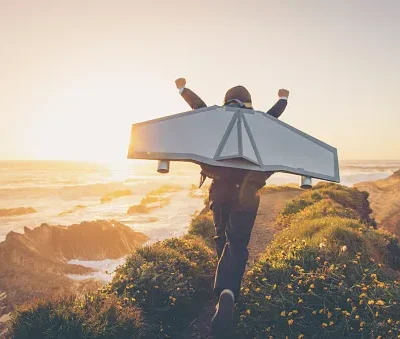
point(279, 188)
point(95, 316)
point(326, 274)
point(202, 226)
point(324, 208)
point(47, 319)
point(169, 281)
point(354, 202)
point(348, 300)
point(353, 199)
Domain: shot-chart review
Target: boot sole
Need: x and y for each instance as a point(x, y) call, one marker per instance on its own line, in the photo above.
point(221, 323)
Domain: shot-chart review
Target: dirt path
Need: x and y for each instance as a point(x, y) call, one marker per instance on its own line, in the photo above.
point(262, 234)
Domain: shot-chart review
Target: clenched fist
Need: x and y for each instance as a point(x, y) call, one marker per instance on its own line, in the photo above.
point(283, 93)
point(181, 82)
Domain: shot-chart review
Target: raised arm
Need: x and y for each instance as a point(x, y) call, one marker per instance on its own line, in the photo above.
point(190, 97)
point(280, 105)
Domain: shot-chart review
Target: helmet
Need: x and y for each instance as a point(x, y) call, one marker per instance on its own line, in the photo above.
point(239, 94)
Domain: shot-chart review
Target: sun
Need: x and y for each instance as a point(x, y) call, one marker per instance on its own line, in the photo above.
point(83, 122)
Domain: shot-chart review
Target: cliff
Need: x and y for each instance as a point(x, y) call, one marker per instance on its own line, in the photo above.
point(384, 196)
point(35, 264)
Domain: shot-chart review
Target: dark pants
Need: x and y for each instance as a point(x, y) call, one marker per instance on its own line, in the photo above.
point(234, 208)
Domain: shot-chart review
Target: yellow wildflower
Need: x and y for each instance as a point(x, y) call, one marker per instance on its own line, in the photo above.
point(290, 322)
point(324, 325)
point(283, 313)
point(248, 311)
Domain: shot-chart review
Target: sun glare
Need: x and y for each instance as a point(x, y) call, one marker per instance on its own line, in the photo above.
point(85, 122)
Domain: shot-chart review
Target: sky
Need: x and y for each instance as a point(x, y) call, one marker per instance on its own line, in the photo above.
point(74, 75)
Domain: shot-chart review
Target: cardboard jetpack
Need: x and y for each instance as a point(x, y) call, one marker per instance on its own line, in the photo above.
point(236, 138)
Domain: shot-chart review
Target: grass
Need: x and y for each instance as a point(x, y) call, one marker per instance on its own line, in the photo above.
point(154, 294)
point(202, 226)
point(327, 274)
point(268, 189)
point(94, 316)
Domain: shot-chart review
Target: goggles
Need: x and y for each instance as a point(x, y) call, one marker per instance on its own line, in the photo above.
point(242, 104)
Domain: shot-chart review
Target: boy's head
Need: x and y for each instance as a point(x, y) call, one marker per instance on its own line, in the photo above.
point(240, 95)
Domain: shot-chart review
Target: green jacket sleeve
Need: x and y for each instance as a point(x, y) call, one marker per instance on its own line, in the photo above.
point(192, 99)
point(278, 108)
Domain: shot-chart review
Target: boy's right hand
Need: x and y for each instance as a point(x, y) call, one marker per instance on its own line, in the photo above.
point(283, 93)
point(181, 82)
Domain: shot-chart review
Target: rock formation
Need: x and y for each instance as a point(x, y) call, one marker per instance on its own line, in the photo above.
point(384, 196)
point(35, 264)
point(7, 212)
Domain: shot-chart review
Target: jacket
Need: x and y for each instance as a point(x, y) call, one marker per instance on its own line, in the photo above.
point(232, 175)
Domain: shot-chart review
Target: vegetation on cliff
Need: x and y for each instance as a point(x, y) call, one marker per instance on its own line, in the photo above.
point(154, 294)
point(384, 196)
point(327, 274)
point(35, 264)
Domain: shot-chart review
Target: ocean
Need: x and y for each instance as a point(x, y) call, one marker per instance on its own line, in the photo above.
point(54, 187)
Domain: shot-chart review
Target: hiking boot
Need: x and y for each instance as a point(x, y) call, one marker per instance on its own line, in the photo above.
point(222, 321)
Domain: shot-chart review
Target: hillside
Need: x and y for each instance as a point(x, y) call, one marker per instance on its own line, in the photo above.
point(384, 196)
point(35, 264)
point(327, 273)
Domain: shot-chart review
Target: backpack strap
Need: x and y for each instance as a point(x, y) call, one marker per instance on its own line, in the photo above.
point(202, 179)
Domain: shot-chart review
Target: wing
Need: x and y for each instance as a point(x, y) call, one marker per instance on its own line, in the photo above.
point(194, 135)
point(234, 137)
